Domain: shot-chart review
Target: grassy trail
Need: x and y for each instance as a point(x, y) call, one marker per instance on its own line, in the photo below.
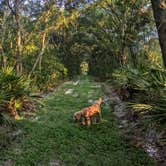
point(52, 138)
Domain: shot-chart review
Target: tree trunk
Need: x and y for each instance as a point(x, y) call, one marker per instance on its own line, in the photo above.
point(124, 58)
point(19, 52)
point(40, 63)
point(39, 58)
point(159, 10)
point(3, 31)
point(3, 59)
point(133, 56)
point(15, 10)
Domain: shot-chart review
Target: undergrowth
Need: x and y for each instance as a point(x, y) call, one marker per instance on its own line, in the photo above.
point(51, 136)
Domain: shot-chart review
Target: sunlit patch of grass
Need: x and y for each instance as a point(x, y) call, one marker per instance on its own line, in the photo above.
point(54, 135)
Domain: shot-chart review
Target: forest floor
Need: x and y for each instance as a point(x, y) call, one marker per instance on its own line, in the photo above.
point(51, 137)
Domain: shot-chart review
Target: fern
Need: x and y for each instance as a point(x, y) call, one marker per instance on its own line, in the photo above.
point(150, 84)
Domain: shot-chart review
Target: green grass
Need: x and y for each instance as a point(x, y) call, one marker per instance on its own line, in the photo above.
point(54, 137)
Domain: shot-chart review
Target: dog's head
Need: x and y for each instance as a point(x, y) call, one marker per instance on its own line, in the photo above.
point(99, 101)
point(77, 116)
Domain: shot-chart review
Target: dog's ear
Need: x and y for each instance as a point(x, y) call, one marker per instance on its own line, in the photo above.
point(77, 117)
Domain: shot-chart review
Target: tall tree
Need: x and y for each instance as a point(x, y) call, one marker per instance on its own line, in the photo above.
point(159, 10)
point(15, 6)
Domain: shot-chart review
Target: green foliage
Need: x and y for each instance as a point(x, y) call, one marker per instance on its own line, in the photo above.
point(6, 120)
point(149, 88)
point(51, 73)
point(84, 68)
point(97, 32)
point(127, 76)
point(13, 88)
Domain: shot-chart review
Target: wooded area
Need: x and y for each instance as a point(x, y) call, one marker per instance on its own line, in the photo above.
point(121, 43)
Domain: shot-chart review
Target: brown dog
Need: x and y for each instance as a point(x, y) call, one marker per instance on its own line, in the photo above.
point(92, 112)
point(89, 113)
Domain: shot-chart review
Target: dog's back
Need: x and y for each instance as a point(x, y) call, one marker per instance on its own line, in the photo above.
point(95, 108)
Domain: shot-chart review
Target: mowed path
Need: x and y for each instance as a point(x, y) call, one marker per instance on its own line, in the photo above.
point(52, 138)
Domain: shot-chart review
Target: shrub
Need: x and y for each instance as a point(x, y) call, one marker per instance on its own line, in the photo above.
point(13, 89)
point(146, 88)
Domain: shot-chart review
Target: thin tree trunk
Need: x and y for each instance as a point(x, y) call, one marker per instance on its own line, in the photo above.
point(3, 57)
point(19, 52)
point(39, 58)
point(16, 13)
point(133, 56)
point(40, 63)
point(124, 58)
point(123, 54)
point(159, 10)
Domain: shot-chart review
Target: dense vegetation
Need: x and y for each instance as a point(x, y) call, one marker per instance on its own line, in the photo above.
point(43, 43)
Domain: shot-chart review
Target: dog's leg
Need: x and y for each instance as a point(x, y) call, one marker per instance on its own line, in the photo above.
point(100, 116)
point(94, 119)
point(83, 121)
point(88, 121)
